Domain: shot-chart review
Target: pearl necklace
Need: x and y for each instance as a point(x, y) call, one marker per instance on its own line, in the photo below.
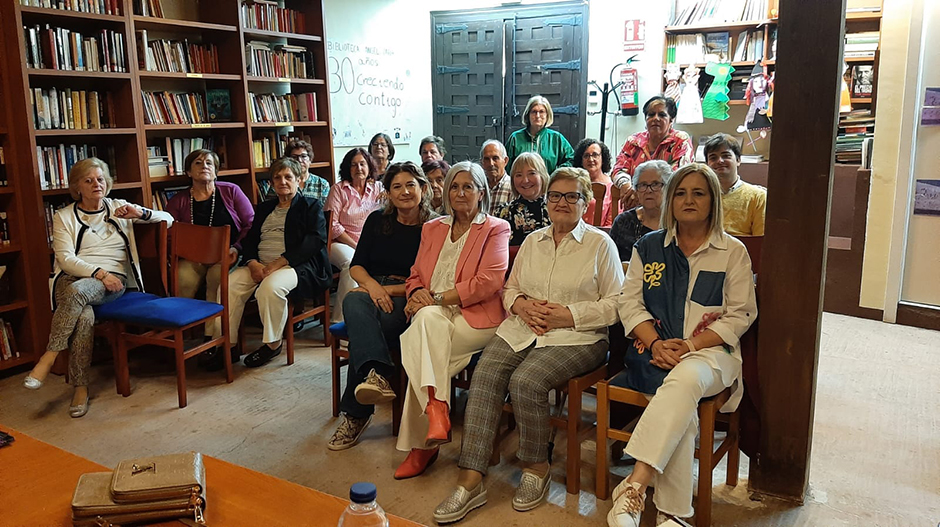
point(192, 201)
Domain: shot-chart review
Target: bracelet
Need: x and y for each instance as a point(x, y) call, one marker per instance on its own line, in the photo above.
point(688, 342)
point(655, 340)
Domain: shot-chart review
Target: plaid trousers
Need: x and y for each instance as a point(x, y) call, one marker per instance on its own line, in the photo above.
point(528, 375)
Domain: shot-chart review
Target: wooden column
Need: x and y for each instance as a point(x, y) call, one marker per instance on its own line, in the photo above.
point(806, 101)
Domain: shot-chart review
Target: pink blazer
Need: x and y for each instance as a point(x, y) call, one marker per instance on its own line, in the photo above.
point(481, 269)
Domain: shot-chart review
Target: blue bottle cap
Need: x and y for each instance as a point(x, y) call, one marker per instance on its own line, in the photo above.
point(362, 492)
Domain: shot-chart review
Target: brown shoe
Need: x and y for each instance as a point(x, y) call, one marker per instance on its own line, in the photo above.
point(374, 390)
point(348, 433)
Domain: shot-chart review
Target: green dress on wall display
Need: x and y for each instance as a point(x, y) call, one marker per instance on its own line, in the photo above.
point(715, 102)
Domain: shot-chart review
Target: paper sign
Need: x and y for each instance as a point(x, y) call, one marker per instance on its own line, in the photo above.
point(634, 35)
point(930, 114)
point(927, 197)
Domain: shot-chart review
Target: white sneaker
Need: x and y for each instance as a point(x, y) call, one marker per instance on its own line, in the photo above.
point(628, 505)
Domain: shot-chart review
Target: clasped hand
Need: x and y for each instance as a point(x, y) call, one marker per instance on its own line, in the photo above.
point(259, 271)
point(668, 353)
point(542, 316)
point(419, 298)
point(379, 295)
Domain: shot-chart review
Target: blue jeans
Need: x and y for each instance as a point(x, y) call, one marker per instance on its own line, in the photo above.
point(372, 332)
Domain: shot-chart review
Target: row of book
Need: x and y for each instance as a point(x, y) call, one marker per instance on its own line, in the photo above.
point(174, 108)
point(98, 7)
point(4, 181)
point(855, 137)
point(50, 209)
point(174, 56)
point(269, 108)
point(63, 49)
point(165, 157)
point(162, 196)
point(5, 238)
point(749, 46)
point(8, 349)
point(268, 148)
point(718, 11)
point(148, 8)
point(278, 60)
point(56, 161)
point(267, 15)
point(861, 45)
point(685, 49)
point(69, 109)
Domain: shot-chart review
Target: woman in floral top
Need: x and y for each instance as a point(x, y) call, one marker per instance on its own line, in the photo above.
point(526, 212)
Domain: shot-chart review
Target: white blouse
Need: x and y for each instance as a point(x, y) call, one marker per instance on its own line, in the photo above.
point(445, 270)
point(583, 273)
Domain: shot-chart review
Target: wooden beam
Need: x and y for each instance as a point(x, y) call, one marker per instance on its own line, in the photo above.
point(806, 102)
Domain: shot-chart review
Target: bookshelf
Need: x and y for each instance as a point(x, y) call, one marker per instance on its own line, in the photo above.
point(195, 53)
point(751, 27)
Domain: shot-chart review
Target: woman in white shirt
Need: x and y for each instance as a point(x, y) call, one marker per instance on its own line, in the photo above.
point(562, 295)
point(95, 259)
point(687, 299)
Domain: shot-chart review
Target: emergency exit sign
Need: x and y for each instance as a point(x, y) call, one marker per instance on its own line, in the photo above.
point(634, 35)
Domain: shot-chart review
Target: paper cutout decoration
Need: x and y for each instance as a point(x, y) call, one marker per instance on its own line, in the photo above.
point(690, 109)
point(715, 102)
point(770, 102)
point(757, 96)
point(672, 82)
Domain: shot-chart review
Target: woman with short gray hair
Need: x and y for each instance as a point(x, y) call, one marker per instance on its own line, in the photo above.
point(95, 259)
point(537, 136)
point(649, 179)
point(454, 307)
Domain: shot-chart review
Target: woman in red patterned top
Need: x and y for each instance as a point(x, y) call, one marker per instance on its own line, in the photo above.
point(659, 141)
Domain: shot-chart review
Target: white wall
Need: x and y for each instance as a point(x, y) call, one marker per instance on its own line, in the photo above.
point(407, 22)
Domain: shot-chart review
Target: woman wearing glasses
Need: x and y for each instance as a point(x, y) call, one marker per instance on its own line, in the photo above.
point(311, 185)
point(562, 294)
point(538, 137)
point(383, 151)
point(594, 156)
point(630, 225)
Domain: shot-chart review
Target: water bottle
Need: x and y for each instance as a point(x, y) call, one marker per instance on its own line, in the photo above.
point(363, 511)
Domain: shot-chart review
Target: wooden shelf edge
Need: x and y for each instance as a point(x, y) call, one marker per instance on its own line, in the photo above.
point(192, 76)
point(695, 28)
point(279, 34)
point(10, 248)
point(184, 180)
point(861, 100)
point(12, 363)
point(315, 164)
point(197, 126)
point(57, 132)
point(67, 13)
point(152, 21)
point(296, 124)
point(40, 72)
point(736, 64)
point(14, 306)
point(7, 190)
point(858, 59)
point(292, 80)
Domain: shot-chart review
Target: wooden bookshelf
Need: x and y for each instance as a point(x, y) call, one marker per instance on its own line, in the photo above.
point(200, 22)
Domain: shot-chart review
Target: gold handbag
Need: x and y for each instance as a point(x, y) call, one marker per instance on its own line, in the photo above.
point(159, 478)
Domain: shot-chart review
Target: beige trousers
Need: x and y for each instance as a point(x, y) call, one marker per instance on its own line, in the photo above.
point(190, 276)
point(272, 301)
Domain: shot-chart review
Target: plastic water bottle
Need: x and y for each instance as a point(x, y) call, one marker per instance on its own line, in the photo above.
point(363, 511)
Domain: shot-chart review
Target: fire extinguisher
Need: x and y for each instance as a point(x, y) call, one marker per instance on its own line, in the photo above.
point(629, 103)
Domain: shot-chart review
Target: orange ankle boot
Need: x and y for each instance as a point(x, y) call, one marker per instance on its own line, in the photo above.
point(438, 421)
point(416, 463)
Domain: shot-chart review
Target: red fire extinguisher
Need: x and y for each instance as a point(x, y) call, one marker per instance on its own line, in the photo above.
point(628, 91)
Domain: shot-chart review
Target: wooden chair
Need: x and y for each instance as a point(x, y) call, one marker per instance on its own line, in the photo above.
point(613, 389)
point(614, 203)
point(600, 190)
point(162, 321)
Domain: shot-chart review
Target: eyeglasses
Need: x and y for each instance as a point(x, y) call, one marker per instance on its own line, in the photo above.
point(649, 187)
point(300, 157)
point(570, 197)
point(538, 112)
point(377, 145)
point(592, 155)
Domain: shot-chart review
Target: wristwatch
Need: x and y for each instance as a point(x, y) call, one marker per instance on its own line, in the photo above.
point(438, 298)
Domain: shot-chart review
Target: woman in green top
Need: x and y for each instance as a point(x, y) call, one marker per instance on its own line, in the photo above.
point(536, 137)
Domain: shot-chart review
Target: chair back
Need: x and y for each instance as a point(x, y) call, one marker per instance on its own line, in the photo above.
point(328, 215)
point(614, 203)
point(600, 190)
point(200, 244)
point(754, 244)
point(151, 240)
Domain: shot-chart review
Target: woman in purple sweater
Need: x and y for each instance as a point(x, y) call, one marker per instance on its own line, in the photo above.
point(213, 203)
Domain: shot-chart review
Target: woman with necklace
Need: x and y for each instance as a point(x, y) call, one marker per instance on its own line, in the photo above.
point(211, 203)
point(284, 255)
point(594, 156)
point(454, 306)
point(95, 259)
point(649, 179)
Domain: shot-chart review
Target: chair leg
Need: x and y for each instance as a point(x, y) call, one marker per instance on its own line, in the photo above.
point(573, 463)
point(120, 364)
point(325, 320)
point(335, 371)
point(227, 353)
point(703, 506)
point(601, 483)
point(241, 337)
point(289, 336)
point(180, 367)
point(734, 452)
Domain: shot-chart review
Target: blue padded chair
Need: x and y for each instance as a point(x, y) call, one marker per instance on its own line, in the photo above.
point(162, 321)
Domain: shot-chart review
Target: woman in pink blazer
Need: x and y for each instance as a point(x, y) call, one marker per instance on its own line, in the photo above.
point(455, 308)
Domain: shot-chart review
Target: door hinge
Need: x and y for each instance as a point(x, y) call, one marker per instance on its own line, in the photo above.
point(563, 20)
point(441, 109)
point(449, 28)
point(452, 69)
point(572, 109)
point(570, 65)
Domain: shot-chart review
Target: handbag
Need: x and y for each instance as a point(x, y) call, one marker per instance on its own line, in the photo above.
point(142, 490)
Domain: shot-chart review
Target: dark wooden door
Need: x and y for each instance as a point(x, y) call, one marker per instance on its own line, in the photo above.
point(487, 63)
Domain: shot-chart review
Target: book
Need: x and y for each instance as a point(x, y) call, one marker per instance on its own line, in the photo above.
point(717, 47)
point(267, 15)
point(862, 77)
point(219, 103)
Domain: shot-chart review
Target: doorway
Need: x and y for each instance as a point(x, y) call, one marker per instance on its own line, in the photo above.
point(487, 63)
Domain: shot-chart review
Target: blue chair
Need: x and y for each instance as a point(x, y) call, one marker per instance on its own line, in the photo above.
point(162, 321)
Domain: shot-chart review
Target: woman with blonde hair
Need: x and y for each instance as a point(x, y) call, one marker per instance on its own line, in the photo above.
point(95, 259)
point(536, 136)
point(527, 212)
point(687, 300)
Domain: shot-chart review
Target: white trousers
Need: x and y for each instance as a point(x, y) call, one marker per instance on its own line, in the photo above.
point(340, 256)
point(664, 437)
point(436, 346)
point(272, 301)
